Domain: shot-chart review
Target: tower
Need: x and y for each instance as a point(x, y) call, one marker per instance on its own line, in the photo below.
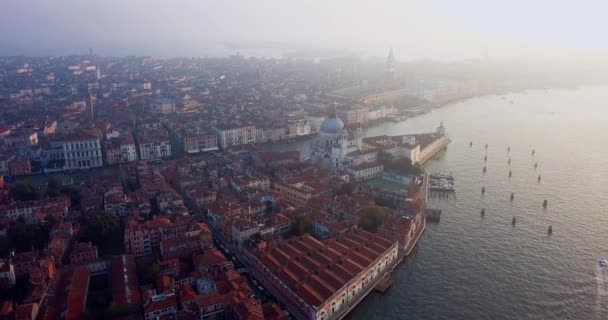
point(92, 106)
point(389, 72)
point(441, 129)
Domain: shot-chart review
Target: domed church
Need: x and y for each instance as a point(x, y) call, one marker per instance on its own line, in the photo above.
point(334, 143)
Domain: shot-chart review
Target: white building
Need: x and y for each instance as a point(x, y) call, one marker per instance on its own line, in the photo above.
point(335, 145)
point(81, 150)
point(120, 149)
point(235, 135)
point(153, 144)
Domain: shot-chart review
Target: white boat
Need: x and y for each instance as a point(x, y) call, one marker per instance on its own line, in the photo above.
point(602, 263)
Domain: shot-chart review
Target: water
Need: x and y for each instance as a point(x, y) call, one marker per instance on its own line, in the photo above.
point(469, 267)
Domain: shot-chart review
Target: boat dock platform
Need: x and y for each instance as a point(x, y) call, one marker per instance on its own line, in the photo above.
point(433, 215)
point(441, 184)
point(384, 285)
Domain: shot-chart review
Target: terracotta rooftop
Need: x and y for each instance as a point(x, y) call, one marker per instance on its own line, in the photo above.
point(315, 269)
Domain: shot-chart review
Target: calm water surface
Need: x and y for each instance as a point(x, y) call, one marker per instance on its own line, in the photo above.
point(469, 267)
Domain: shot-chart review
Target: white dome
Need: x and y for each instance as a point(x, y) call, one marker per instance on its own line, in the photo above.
point(332, 125)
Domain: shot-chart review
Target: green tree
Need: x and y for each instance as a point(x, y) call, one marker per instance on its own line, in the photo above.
point(25, 191)
point(371, 218)
point(54, 186)
point(301, 225)
point(403, 166)
point(105, 231)
point(346, 189)
point(25, 236)
point(7, 290)
point(412, 189)
point(381, 202)
point(73, 193)
point(115, 311)
point(149, 273)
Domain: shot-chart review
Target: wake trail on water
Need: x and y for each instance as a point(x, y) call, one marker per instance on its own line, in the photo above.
point(601, 278)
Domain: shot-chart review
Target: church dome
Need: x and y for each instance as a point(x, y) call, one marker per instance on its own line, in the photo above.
point(332, 125)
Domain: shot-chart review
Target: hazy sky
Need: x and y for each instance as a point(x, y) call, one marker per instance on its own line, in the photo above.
point(436, 29)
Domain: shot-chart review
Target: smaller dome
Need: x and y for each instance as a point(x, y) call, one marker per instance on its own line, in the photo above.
point(332, 125)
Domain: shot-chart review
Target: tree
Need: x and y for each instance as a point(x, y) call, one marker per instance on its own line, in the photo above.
point(115, 311)
point(25, 191)
point(347, 188)
point(73, 193)
point(6, 289)
point(54, 186)
point(371, 218)
point(150, 273)
point(412, 189)
point(381, 202)
point(25, 236)
point(403, 166)
point(105, 231)
point(301, 225)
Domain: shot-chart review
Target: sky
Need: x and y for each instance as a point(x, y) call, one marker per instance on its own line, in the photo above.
point(416, 29)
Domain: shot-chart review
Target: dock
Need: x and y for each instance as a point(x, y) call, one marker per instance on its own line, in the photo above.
point(441, 184)
point(384, 284)
point(433, 215)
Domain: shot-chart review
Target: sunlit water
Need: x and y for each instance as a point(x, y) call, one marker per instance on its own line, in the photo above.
point(473, 267)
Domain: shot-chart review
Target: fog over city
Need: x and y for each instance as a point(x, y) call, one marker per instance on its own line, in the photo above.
point(435, 29)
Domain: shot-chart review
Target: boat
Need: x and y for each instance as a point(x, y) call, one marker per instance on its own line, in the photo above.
point(510, 173)
point(512, 196)
point(602, 263)
point(483, 212)
point(484, 169)
point(545, 203)
point(509, 149)
point(470, 144)
point(483, 190)
point(513, 221)
point(485, 158)
point(535, 165)
point(539, 178)
point(533, 151)
point(550, 230)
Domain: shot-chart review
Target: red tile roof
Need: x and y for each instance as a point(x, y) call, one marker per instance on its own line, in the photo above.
point(77, 294)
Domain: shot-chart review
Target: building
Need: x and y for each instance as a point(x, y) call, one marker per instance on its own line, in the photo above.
point(300, 192)
point(321, 280)
point(198, 141)
point(160, 306)
point(366, 171)
point(81, 149)
point(153, 144)
point(28, 311)
point(235, 135)
point(355, 115)
point(77, 293)
point(20, 166)
point(334, 144)
point(162, 106)
point(83, 253)
point(7, 272)
point(121, 149)
point(125, 289)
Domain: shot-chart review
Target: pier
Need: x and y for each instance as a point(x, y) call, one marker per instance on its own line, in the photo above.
point(432, 149)
point(433, 215)
point(384, 285)
point(441, 183)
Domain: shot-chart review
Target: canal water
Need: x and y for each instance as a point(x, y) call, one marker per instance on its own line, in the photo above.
point(473, 267)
